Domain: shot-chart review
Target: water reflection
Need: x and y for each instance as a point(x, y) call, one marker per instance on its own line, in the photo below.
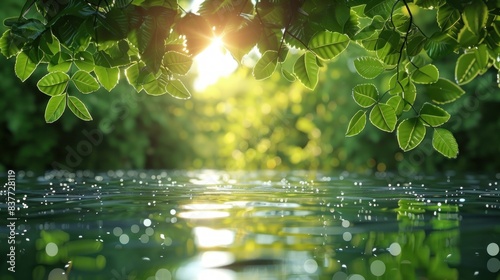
point(260, 225)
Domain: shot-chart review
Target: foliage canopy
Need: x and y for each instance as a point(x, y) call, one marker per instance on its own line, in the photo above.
point(92, 43)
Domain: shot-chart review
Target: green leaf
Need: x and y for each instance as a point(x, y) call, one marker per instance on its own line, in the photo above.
point(178, 63)
point(10, 45)
point(433, 115)
point(466, 68)
point(357, 124)
point(61, 61)
point(467, 38)
point(266, 65)
point(177, 89)
point(447, 16)
point(383, 117)
point(55, 108)
point(427, 74)
point(378, 7)
point(84, 82)
point(368, 67)
point(327, 45)
point(444, 91)
point(410, 133)
point(307, 70)
point(84, 61)
point(78, 108)
point(365, 95)
point(482, 58)
point(415, 44)
point(444, 142)
point(156, 86)
point(397, 103)
point(409, 95)
point(54, 83)
point(475, 16)
point(24, 66)
point(288, 75)
point(108, 77)
point(132, 74)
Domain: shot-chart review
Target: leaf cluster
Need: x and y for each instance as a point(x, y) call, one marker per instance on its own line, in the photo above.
point(90, 44)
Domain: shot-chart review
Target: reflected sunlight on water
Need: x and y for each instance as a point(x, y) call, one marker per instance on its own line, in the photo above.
point(255, 225)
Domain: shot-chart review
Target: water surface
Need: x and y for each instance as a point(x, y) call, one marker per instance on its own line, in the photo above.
point(253, 225)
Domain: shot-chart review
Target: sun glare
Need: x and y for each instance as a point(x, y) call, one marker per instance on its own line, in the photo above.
point(212, 64)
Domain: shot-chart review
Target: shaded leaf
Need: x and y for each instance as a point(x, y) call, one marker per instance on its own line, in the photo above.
point(443, 91)
point(61, 61)
point(475, 16)
point(307, 70)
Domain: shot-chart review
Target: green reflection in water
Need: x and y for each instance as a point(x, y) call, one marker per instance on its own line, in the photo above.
point(214, 225)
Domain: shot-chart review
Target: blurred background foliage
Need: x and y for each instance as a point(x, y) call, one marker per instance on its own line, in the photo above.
point(237, 123)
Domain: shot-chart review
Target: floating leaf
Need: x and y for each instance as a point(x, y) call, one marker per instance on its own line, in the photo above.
point(444, 142)
point(357, 124)
point(383, 117)
point(328, 45)
point(53, 83)
point(84, 82)
point(368, 67)
point(410, 133)
point(433, 115)
point(365, 95)
point(444, 91)
point(307, 70)
point(427, 74)
point(78, 108)
point(178, 63)
point(177, 89)
point(24, 66)
point(108, 77)
point(266, 65)
point(55, 108)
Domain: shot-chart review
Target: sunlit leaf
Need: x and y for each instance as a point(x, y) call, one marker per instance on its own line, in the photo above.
point(84, 82)
point(410, 133)
point(54, 83)
point(24, 66)
point(132, 74)
point(78, 108)
point(466, 68)
point(55, 108)
point(433, 115)
point(443, 91)
point(178, 63)
point(365, 95)
point(444, 142)
point(306, 70)
point(356, 124)
point(157, 86)
point(108, 77)
point(84, 61)
point(383, 117)
point(409, 94)
point(467, 38)
point(9, 44)
point(266, 65)
point(328, 45)
point(427, 74)
point(61, 61)
point(288, 75)
point(177, 89)
point(368, 67)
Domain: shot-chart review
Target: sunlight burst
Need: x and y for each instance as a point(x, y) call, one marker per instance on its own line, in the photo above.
point(212, 64)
